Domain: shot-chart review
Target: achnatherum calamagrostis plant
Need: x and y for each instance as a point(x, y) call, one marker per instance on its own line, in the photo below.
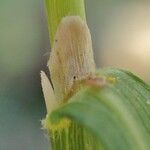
point(89, 109)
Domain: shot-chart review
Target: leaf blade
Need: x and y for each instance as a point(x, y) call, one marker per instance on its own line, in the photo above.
point(117, 115)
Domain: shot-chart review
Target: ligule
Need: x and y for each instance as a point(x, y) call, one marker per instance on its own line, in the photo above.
point(58, 125)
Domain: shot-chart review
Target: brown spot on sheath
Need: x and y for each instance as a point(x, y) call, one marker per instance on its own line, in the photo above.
point(74, 77)
point(96, 81)
point(111, 80)
point(59, 58)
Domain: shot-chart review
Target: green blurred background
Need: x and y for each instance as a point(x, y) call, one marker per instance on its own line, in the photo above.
point(121, 38)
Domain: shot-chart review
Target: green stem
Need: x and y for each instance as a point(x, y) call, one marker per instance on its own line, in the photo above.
point(57, 9)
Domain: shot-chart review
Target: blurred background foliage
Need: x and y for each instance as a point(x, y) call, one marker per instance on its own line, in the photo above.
point(121, 38)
